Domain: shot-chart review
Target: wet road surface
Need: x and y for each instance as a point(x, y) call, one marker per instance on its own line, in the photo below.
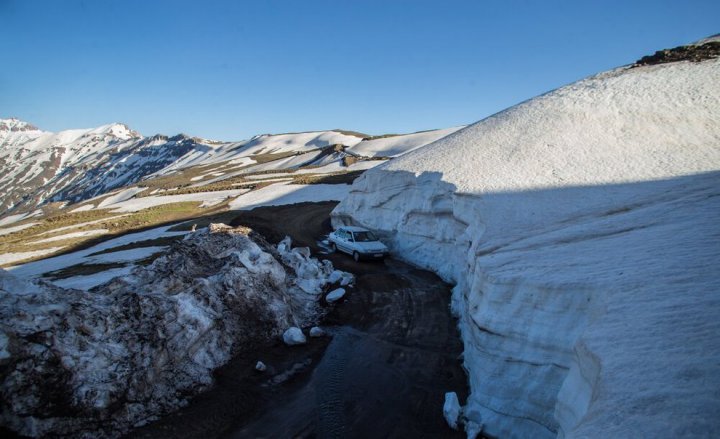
point(393, 354)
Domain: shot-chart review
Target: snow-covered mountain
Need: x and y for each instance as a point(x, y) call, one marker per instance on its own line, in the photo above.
point(38, 166)
point(581, 231)
point(74, 165)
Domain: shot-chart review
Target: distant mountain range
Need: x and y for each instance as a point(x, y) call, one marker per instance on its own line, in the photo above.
point(38, 167)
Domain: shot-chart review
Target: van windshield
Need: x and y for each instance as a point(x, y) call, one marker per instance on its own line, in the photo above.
point(364, 236)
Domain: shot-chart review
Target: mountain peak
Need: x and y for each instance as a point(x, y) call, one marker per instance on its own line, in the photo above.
point(15, 125)
point(119, 130)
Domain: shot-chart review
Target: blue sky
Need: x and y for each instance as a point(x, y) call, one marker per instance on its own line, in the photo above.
point(231, 69)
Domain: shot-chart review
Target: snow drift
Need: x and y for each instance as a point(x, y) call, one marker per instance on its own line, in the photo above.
point(580, 229)
point(96, 363)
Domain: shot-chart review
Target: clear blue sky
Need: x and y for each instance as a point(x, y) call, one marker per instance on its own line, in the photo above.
point(231, 69)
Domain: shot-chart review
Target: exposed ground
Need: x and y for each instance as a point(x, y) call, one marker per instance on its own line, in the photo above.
point(694, 53)
point(393, 353)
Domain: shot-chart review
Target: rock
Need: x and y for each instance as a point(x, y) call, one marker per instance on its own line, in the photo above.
point(451, 409)
point(316, 332)
point(335, 295)
point(294, 336)
point(260, 366)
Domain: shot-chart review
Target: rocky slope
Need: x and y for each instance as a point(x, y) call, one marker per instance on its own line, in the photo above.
point(580, 230)
point(95, 363)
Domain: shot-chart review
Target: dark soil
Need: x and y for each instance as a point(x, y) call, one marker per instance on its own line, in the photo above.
point(682, 53)
point(392, 352)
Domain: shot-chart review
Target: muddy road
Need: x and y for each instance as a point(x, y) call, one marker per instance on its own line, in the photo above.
point(391, 353)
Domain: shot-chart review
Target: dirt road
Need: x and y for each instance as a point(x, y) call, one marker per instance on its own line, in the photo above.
point(392, 351)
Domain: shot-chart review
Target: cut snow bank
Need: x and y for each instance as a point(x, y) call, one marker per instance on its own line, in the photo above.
point(580, 228)
point(96, 363)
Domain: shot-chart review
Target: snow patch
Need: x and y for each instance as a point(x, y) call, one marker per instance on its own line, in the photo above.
point(9, 258)
point(72, 235)
point(281, 193)
point(9, 230)
point(87, 282)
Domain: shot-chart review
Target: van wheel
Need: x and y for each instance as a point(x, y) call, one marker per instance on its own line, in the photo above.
point(333, 247)
point(356, 256)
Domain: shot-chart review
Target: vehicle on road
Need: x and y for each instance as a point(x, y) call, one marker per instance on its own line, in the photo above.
point(357, 242)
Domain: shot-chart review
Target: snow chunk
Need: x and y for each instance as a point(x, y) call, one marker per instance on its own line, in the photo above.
point(260, 366)
point(294, 336)
point(316, 331)
point(310, 274)
point(335, 295)
point(451, 409)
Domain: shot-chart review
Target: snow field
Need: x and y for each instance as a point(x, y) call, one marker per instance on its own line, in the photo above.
point(398, 145)
point(282, 193)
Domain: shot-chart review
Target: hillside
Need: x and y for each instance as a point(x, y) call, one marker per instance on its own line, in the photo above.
point(580, 229)
point(74, 165)
point(150, 185)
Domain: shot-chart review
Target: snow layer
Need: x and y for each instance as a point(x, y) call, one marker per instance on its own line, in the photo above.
point(13, 229)
point(130, 255)
point(281, 193)
point(90, 281)
point(9, 258)
point(11, 219)
point(339, 167)
point(95, 363)
point(71, 235)
point(398, 145)
point(208, 199)
point(580, 228)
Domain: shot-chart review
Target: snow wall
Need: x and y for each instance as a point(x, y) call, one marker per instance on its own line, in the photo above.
point(581, 231)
